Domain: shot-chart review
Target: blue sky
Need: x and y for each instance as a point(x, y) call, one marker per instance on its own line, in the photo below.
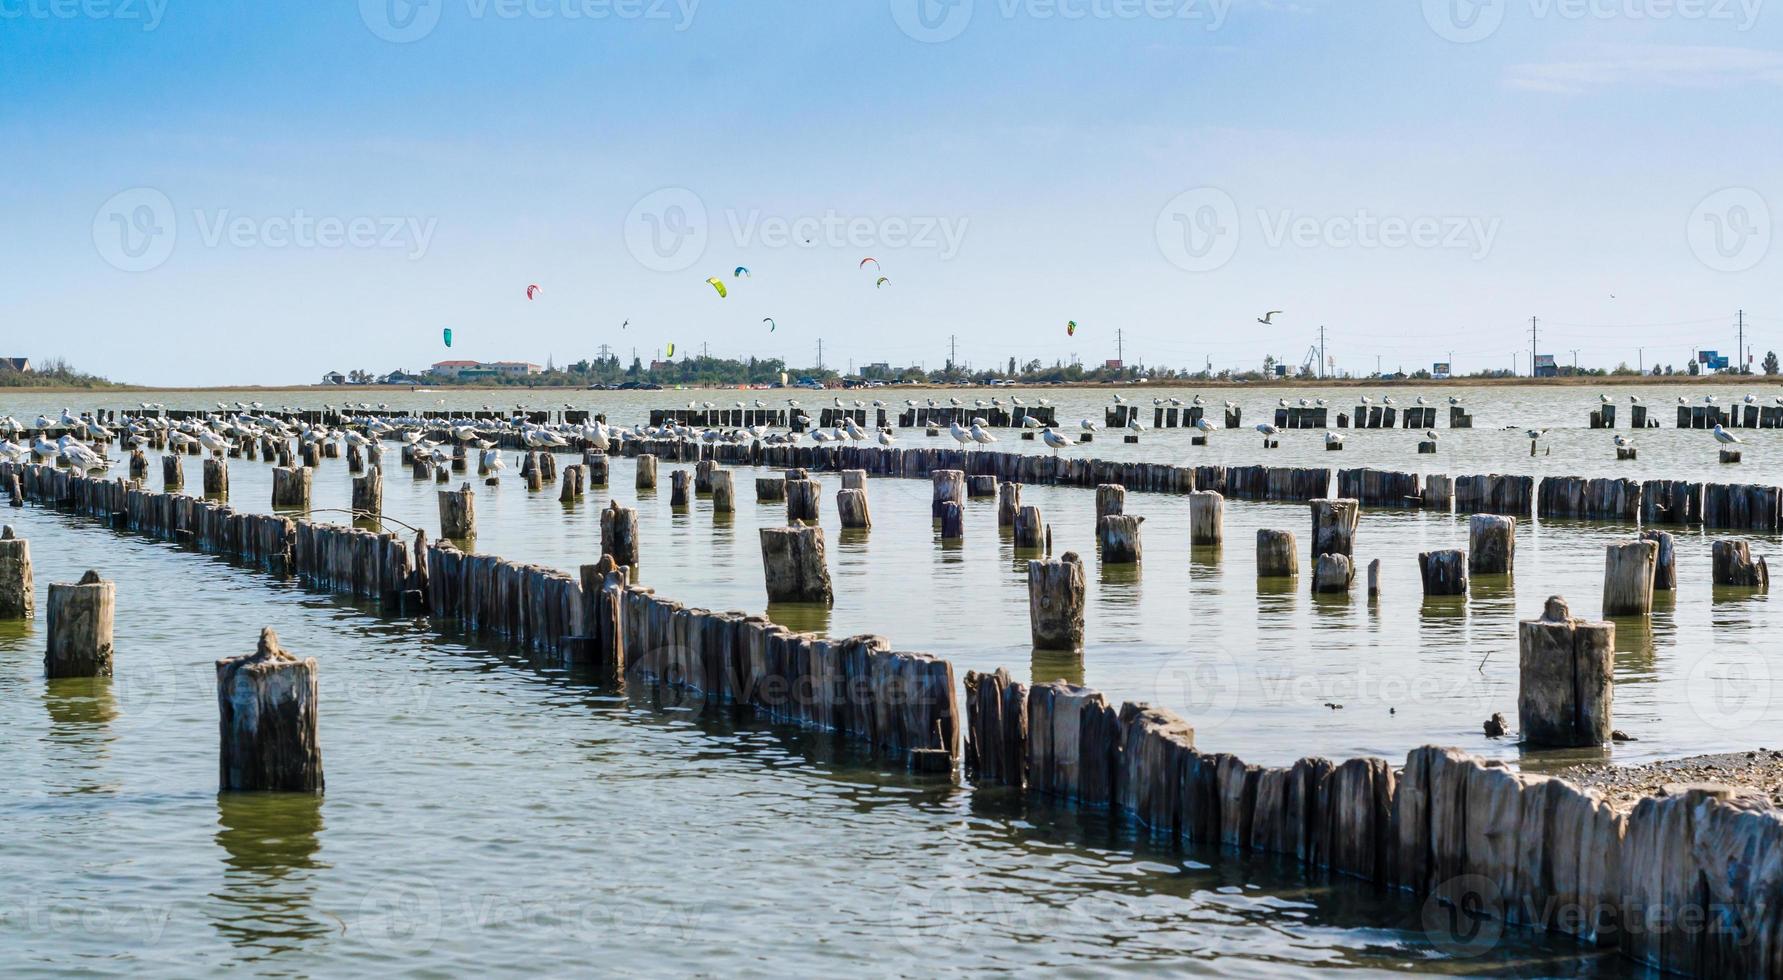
point(1418, 176)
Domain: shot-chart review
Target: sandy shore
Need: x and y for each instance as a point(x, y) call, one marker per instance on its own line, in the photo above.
point(1759, 772)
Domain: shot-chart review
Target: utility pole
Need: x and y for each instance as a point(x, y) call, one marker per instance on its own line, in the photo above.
point(952, 350)
point(1575, 360)
point(1533, 322)
point(1321, 350)
point(1640, 359)
point(820, 353)
point(1120, 349)
point(1743, 361)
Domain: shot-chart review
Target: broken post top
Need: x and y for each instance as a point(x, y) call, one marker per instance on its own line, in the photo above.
point(91, 578)
point(1556, 610)
point(6, 533)
point(269, 648)
point(1071, 557)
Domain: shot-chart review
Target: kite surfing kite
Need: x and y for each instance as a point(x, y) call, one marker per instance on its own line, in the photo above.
point(870, 259)
point(448, 333)
point(881, 283)
point(718, 284)
point(627, 323)
point(741, 273)
point(671, 350)
point(532, 291)
point(1071, 329)
point(772, 326)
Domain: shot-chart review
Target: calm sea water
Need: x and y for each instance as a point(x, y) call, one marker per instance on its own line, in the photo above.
point(487, 814)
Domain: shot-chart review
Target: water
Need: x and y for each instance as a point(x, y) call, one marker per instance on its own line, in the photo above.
point(484, 813)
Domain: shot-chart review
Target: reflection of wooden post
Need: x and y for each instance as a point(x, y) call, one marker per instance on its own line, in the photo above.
point(646, 472)
point(80, 628)
point(1277, 555)
point(1030, 530)
point(793, 563)
point(1665, 567)
point(291, 486)
point(368, 494)
point(619, 535)
point(1334, 527)
point(1207, 518)
point(1055, 602)
point(1565, 679)
point(216, 477)
point(1491, 544)
point(458, 513)
point(1444, 572)
point(267, 704)
point(1628, 573)
point(724, 492)
point(1009, 503)
point(17, 592)
point(1735, 566)
point(1118, 535)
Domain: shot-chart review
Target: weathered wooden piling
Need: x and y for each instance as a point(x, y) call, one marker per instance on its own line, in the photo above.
point(421, 468)
point(949, 485)
point(1030, 530)
point(1443, 572)
point(216, 477)
point(702, 476)
point(646, 473)
point(1111, 498)
point(1334, 527)
point(1665, 560)
point(1118, 536)
point(724, 492)
point(596, 465)
point(794, 564)
point(368, 494)
point(532, 471)
point(1565, 679)
point(1730, 455)
point(854, 479)
point(852, 505)
point(1374, 578)
point(678, 488)
point(1333, 573)
point(1491, 544)
point(980, 487)
point(1277, 554)
point(1734, 566)
point(1056, 601)
point(619, 535)
point(953, 521)
point(1009, 503)
point(139, 465)
point(770, 489)
point(458, 513)
point(18, 598)
point(355, 461)
point(291, 486)
point(1628, 572)
point(173, 473)
point(1207, 518)
point(802, 501)
point(267, 709)
point(80, 628)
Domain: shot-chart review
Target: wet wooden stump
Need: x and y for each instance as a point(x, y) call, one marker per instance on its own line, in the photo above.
point(1277, 554)
point(1009, 503)
point(18, 598)
point(852, 505)
point(458, 513)
point(1030, 530)
point(139, 465)
point(596, 465)
point(702, 476)
point(604, 587)
point(953, 521)
point(1565, 679)
point(1207, 518)
point(646, 472)
point(1334, 527)
point(770, 489)
point(1111, 498)
point(355, 461)
point(724, 492)
point(802, 500)
point(1665, 560)
point(1734, 566)
point(1628, 573)
point(1056, 601)
point(1333, 574)
point(1444, 572)
point(619, 536)
point(421, 468)
point(1491, 544)
point(533, 472)
point(949, 486)
point(794, 564)
point(216, 477)
point(80, 628)
point(267, 708)
point(1118, 537)
point(981, 487)
point(368, 494)
point(173, 473)
point(678, 488)
point(1374, 579)
point(311, 456)
point(854, 479)
point(571, 488)
point(291, 486)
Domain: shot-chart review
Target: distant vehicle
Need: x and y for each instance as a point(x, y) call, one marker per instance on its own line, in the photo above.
point(638, 386)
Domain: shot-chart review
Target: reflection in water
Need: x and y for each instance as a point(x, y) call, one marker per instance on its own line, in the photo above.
point(801, 617)
point(81, 711)
point(1057, 665)
point(1636, 657)
point(851, 540)
point(271, 871)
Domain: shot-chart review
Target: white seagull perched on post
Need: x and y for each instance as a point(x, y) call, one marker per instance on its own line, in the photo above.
point(979, 435)
point(960, 435)
point(1623, 442)
point(1725, 437)
point(1268, 429)
point(1333, 439)
point(1054, 440)
point(1204, 425)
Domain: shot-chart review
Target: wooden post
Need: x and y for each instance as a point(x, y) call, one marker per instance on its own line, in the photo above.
point(979, 487)
point(1333, 573)
point(266, 702)
point(678, 488)
point(1665, 567)
point(724, 492)
point(1277, 554)
point(458, 513)
point(1056, 601)
point(139, 465)
point(355, 461)
point(953, 521)
point(702, 476)
point(794, 564)
point(421, 467)
point(950, 485)
point(1334, 527)
point(311, 457)
point(1444, 572)
point(368, 494)
point(770, 489)
point(18, 599)
point(1491, 544)
point(802, 500)
point(80, 628)
point(1111, 498)
point(1118, 535)
point(1030, 530)
point(1009, 503)
point(619, 535)
point(291, 486)
point(596, 463)
point(1628, 573)
point(1735, 566)
point(173, 473)
point(854, 479)
point(533, 471)
point(1207, 518)
point(646, 473)
point(852, 505)
point(1566, 679)
point(1374, 579)
point(216, 477)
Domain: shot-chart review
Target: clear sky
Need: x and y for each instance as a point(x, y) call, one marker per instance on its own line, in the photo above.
point(201, 192)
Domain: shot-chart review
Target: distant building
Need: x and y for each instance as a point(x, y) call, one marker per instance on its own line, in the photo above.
point(1113, 364)
point(19, 364)
point(399, 378)
point(334, 378)
point(465, 370)
point(1545, 366)
point(514, 368)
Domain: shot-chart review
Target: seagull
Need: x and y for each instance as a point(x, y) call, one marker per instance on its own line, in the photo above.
point(1203, 424)
point(1425, 401)
point(1268, 319)
point(1088, 425)
point(1725, 437)
point(960, 435)
point(1453, 400)
point(1604, 398)
point(1268, 431)
point(886, 438)
point(1432, 434)
point(979, 435)
point(1623, 442)
point(1633, 399)
point(1534, 434)
point(1054, 440)
point(1333, 439)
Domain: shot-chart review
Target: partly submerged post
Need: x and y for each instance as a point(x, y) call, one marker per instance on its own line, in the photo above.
point(1333, 574)
point(1111, 498)
point(266, 702)
point(1055, 602)
point(1118, 535)
point(80, 628)
point(1491, 544)
point(1735, 566)
point(1009, 503)
point(1628, 573)
point(950, 485)
point(724, 492)
point(216, 477)
point(291, 486)
point(17, 592)
point(1277, 554)
point(368, 494)
point(1334, 527)
point(802, 501)
point(458, 513)
point(794, 565)
point(1030, 530)
point(852, 505)
point(1207, 518)
point(1565, 679)
point(770, 489)
point(173, 473)
point(953, 521)
point(646, 472)
point(619, 535)
point(1665, 566)
point(1443, 572)
point(678, 488)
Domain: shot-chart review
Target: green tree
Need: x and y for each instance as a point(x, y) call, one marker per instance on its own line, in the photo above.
point(1770, 363)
